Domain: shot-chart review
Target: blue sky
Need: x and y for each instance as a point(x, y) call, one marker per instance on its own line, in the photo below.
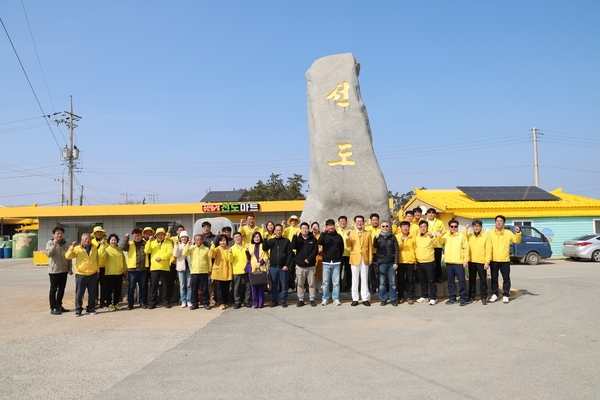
point(177, 97)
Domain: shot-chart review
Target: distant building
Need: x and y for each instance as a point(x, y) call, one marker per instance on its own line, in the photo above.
point(216, 196)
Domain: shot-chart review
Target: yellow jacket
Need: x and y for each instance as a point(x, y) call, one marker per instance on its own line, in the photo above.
point(374, 232)
point(342, 233)
point(406, 254)
point(222, 269)
point(360, 246)
point(424, 246)
point(132, 256)
point(200, 260)
point(247, 233)
point(477, 246)
point(163, 250)
point(96, 242)
point(497, 246)
point(414, 229)
point(84, 264)
point(290, 231)
point(262, 256)
point(456, 250)
point(115, 259)
point(239, 259)
point(434, 226)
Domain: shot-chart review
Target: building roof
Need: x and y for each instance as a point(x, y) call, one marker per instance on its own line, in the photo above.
point(220, 196)
point(458, 203)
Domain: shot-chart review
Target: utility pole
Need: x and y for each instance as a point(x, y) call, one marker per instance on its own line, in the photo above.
point(70, 153)
point(126, 196)
point(62, 189)
point(81, 196)
point(536, 173)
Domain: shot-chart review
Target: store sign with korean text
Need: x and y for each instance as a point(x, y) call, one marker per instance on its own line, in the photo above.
point(231, 207)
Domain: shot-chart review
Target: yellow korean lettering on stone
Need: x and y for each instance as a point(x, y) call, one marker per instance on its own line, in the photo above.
point(344, 153)
point(340, 94)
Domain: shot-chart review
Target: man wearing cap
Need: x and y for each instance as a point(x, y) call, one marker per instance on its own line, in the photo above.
point(137, 268)
point(457, 260)
point(436, 225)
point(86, 273)
point(333, 251)
point(58, 269)
point(98, 236)
point(160, 250)
point(182, 266)
point(361, 251)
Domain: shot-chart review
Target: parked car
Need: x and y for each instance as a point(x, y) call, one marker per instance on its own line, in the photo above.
point(586, 246)
point(533, 247)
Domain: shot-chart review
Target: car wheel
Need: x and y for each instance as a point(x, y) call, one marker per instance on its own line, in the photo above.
point(596, 256)
point(532, 258)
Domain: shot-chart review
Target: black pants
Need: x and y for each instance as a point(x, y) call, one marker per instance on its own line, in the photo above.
point(346, 285)
point(406, 277)
point(57, 289)
point(163, 277)
point(114, 284)
point(104, 290)
point(427, 279)
point(171, 283)
point(83, 283)
point(474, 270)
point(239, 290)
point(373, 278)
point(438, 263)
point(504, 268)
point(223, 291)
point(200, 282)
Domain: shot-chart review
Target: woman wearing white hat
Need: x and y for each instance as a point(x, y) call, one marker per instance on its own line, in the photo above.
point(183, 269)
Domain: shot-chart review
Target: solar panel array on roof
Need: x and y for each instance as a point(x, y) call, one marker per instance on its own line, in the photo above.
point(507, 193)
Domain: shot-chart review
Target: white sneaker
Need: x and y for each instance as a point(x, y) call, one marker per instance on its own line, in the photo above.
point(505, 299)
point(183, 305)
point(337, 303)
point(422, 300)
point(432, 302)
point(493, 298)
point(324, 303)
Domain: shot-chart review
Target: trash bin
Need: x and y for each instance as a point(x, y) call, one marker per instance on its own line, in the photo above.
point(7, 252)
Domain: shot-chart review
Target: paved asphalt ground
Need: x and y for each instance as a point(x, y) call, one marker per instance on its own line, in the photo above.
point(544, 344)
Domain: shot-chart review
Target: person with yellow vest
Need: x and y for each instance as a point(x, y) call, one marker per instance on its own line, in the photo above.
point(161, 250)
point(436, 225)
point(497, 250)
point(222, 270)
point(99, 235)
point(361, 251)
point(477, 246)
point(114, 267)
point(137, 268)
point(86, 273)
point(425, 244)
point(374, 229)
point(200, 268)
point(407, 263)
point(345, 269)
point(248, 230)
point(241, 268)
point(457, 260)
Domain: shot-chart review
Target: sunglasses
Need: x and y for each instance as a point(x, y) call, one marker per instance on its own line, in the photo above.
point(385, 226)
point(453, 226)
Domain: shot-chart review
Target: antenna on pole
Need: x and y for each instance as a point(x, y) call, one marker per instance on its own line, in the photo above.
point(536, 172)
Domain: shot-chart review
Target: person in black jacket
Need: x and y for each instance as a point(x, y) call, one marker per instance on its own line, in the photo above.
point(387, 263)
point(280, 258)
point(333, 250)
point(306, 248)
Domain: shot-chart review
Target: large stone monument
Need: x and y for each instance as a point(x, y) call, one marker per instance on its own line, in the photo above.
point(345, 178)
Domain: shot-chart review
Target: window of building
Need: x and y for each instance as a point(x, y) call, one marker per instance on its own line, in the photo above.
point(597, 226)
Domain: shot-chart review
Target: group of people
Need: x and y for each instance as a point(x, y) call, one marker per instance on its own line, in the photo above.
point(381, 256)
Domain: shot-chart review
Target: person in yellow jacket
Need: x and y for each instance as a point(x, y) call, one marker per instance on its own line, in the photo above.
point(86, 273)
point(292, 229)
point(361, 251)
point(407, 263)
point(248, 230)
point(456, 252)
point(98, 236)
point(374, 229)
point(222, 270)
point(436, 225)
point(114, 269)
point(497, 256)
point(345, 269)
point(200, 269)
point(425, 243)
point(137, 268)
point(477, 245)
point(241, 268)
point(161, 250)
point(258, 262)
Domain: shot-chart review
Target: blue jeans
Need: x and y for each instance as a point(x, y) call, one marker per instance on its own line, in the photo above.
point(456, 271)
point(185, 286)
point(331, 272)
point(387, 273)
point(141, 279)
point(279, 276)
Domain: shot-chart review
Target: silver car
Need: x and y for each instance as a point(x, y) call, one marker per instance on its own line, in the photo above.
point(587, 246)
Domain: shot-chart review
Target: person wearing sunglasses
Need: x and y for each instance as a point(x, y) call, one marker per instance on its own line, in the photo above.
point(386, 260)
point(457, 260)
